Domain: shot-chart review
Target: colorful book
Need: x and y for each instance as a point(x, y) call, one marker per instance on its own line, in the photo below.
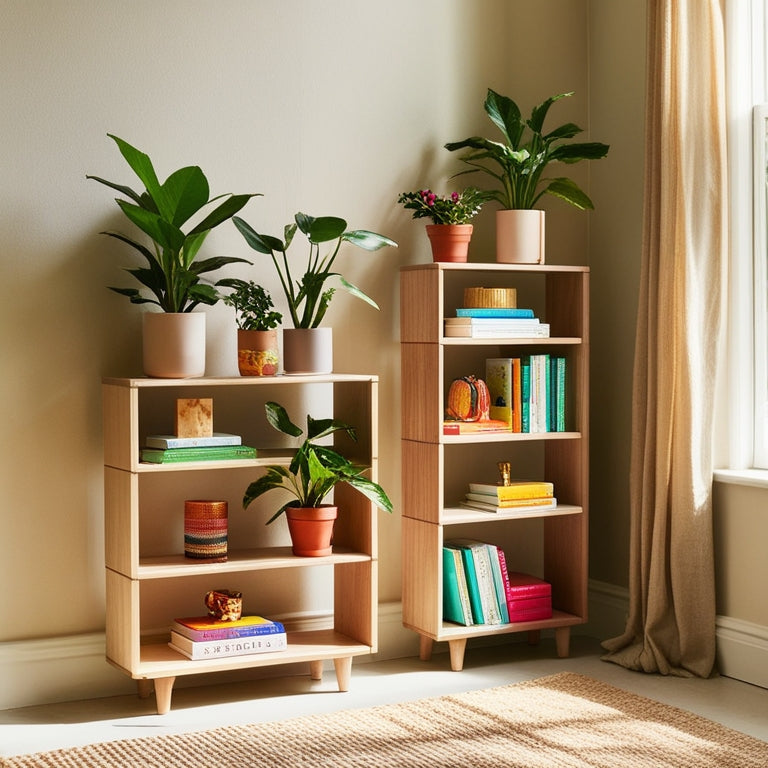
point(199, 628)
point(476, 603)
point(499, 379)
point(517, 489)
point(531, 508)
point(525, 585)
point(529, 599)
point(210, 453)
point(525, 394)
point(558, 384)
point(215, 649)
point(486, 592)
point(456, 604)
point(529, 608)
point(486, 312)
point(497, 330)
point(498, 582)
point(172, 441)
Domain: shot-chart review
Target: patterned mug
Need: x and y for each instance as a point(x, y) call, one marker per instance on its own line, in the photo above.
point(224, 604)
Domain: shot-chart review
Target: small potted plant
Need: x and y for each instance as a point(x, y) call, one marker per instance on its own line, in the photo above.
point(172, 273)
point(307, 348)
point(313, 473)
point(257, 321)
point(517, 165)
point(450, 231)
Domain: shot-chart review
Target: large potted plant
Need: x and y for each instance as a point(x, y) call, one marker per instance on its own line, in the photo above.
point(517, 165)
point(172, 273)
point(450, 231)
point(307, 348)
point(313, 473)
point(257, 321)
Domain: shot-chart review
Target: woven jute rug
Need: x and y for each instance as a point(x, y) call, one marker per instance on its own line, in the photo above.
point(561, 721)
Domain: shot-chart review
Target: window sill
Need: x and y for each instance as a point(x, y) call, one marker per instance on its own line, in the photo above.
point(757, 478)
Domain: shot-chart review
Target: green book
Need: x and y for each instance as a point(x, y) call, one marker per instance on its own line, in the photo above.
point(456, 604)
point(200, 453)
point(472, 583)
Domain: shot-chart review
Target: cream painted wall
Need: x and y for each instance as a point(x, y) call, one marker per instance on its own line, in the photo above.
point(329, 107)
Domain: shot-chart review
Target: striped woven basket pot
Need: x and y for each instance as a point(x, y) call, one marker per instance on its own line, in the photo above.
point(205, 530)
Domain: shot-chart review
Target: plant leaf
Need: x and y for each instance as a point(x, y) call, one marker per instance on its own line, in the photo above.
point(505, 115)
point(369, 241)
point(304, 222)
point(573, 153)
point(569, 191)
point(277, 416)
point(214, 263)
point(186, 192)
point(261, 243)
point(223, 212)
point(325, 229)
point(127, 191)
point(355, 291)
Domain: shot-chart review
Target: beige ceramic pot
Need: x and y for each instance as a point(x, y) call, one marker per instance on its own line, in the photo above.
point(174, 344)
point(520, 237)
point(307, 350)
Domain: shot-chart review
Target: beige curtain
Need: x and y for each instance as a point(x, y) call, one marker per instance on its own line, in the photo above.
point(671, 625)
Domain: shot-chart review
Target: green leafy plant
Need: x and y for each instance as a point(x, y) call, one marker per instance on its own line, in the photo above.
point(457, 208)
point(518, 162)
point(308, 299)
point(315, 469)
point(172, 273)
point(254, 310)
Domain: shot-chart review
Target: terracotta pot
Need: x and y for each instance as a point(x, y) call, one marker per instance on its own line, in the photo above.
point(174, 344)
point(450, 242)
point(257, 353)
point(311, 529)
point(308, 350)
point(520, 237)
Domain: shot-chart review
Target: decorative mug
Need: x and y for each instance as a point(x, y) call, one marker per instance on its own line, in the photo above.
point(224, 604)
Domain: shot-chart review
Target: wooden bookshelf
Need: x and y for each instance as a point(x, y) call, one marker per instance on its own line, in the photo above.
point(149, 582)
point(437, 468)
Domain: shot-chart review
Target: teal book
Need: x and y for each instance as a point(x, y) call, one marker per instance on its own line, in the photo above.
point(456, 604)
point(200, 453)
point(493, 312)
point(525, 394)
point(478, 617)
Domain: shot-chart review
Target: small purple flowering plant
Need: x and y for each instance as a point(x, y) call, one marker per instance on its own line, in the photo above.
point(456, 208)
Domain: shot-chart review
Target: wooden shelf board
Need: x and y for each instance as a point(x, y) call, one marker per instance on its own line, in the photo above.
point(458, 515)
point(228, 381)
point(453, 341)
point(170, 566)
point(492, 266)
point(158, 660)
point(450, 631)
point(505, 436)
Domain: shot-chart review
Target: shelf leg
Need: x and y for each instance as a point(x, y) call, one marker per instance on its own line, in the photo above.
point(425, 648)
point(316, 670)
point(534, 636)
point(343, 668)
point(144, 687)
point(163, 691)
point(456, 650)
point(562, 641)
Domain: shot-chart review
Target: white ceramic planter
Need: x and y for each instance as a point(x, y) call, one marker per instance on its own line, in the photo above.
point(174, 344)
point(307, 350)
point(520, 237)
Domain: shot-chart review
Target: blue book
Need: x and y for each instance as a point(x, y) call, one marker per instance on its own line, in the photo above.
point(493, 312)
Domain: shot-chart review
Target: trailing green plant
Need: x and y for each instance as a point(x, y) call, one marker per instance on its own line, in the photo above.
point(517, 163)
point(254, 310)
point(456, 208)
point(172, 273)
point(315, 470)
point(308, 299)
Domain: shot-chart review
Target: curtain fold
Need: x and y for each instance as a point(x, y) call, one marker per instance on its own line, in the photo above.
point(671, 624)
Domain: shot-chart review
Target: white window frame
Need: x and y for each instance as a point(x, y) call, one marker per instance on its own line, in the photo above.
point(760, 280)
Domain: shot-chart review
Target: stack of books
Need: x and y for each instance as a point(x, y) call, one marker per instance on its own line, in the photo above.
point(478, 589)
point(529, 392)
point(520, 497)
point(495, 322)
point(166, 449)
point(204, 637)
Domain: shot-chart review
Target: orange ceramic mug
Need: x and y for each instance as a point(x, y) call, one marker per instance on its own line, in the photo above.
point(224, 604)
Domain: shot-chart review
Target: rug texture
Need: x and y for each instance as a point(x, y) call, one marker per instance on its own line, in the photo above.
point(565, 720)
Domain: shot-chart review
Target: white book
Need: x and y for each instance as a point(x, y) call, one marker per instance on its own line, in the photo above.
point(239, 646)
point(528, 511)
point(172, 441)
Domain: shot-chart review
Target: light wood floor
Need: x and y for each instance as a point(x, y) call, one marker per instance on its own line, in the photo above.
point(33, 729)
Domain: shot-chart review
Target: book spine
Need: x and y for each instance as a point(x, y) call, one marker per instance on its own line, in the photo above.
point(498, 583)
point(224, 648)
point(521, 605)
point(454, 607)
point(498, 377)
point(163, 441)
point(516, 397)
point(525, 394)
point(173, 455)
point(472, 584)
point(560, 394)
point(232, 633)
point(485, 312)
point(485, 583)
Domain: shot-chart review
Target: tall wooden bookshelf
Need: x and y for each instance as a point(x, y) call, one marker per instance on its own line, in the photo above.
point(437, 468)
point(149, 582)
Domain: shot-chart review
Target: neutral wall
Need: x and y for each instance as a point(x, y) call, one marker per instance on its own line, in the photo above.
point(330, 108)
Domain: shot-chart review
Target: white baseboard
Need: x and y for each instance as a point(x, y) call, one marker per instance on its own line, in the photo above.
point(74, 667)
point(742, 650)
